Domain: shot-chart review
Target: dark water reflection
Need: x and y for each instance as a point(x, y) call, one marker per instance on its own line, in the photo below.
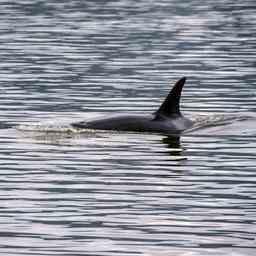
point(126, 193)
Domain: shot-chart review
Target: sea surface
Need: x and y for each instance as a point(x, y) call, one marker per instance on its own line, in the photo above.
point(126, 193)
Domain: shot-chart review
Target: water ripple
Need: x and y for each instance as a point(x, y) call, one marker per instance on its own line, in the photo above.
point(101, 193)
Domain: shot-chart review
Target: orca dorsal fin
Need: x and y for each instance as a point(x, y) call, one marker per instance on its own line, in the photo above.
point(171, 105)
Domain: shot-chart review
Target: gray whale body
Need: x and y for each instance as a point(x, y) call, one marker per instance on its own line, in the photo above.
point(167, 119)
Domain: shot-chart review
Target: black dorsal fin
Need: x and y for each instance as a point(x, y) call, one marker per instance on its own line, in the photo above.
point(171, 105)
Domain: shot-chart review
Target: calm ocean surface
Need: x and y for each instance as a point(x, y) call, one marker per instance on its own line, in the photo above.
point(118, 193)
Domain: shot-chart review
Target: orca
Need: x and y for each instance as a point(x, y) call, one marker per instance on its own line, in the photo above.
point(167, 119)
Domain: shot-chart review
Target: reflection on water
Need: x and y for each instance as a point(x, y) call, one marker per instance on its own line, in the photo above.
point(172, 143)
point(111, 193)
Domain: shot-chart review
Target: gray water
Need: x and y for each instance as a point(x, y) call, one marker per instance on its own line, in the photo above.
point(118, 193)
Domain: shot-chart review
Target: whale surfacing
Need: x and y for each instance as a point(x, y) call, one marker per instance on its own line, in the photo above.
point(167, 119)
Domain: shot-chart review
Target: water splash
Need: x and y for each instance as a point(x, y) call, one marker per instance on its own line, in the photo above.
point(51, 128)
point(224, 123)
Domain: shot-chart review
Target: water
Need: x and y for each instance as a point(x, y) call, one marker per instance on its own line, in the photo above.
point(113, 193)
